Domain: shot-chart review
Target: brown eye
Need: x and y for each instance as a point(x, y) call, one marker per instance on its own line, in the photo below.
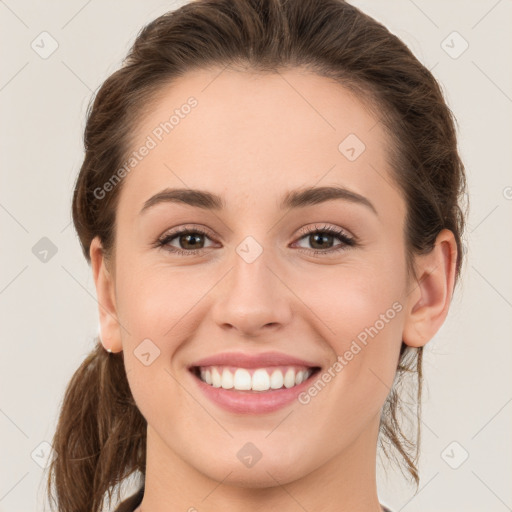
point(190, 241)
point(321, 240)
point(184, 241)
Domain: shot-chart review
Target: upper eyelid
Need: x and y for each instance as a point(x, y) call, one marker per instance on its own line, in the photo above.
point(327, 227)
point(186, 228)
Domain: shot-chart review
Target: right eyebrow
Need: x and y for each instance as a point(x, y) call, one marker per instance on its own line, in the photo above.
point(197, 198)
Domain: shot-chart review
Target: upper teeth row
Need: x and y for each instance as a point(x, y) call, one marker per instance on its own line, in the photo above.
point(261, 380)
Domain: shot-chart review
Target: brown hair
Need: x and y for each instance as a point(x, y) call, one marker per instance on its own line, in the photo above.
point(101, 436)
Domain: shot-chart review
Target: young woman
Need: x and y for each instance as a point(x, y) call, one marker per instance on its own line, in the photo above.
point(270, 203)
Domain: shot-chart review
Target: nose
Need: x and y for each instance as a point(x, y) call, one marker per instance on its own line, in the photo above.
point(252, 298)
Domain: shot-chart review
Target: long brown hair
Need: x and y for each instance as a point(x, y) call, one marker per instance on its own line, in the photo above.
point(100, 438)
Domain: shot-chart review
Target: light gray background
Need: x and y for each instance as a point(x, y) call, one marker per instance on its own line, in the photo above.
point(49, 312)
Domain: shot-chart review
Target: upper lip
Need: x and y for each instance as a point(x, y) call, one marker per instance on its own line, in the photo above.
point(244, 360)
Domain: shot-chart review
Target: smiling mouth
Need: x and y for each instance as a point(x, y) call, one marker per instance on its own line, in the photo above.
point(258, 380)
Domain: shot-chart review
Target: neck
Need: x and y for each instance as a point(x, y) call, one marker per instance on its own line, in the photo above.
point(345, 483)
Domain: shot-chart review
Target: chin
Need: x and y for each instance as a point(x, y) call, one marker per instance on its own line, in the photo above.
point(263, 474)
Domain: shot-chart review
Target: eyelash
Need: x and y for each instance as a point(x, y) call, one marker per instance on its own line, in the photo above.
point(337, 232)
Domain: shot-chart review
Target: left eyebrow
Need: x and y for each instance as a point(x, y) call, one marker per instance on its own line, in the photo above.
point(293, 199)
point(316, 195)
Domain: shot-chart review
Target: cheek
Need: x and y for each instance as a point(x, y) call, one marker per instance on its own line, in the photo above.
point(347, 300)
point(156, 307)
point(161, 309)
point(361, 317)
point(155, 302)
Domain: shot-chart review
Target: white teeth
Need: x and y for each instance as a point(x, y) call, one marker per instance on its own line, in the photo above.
point(289, 378)
point(242, 380)
point(227, 379)
point(216, 378)
point(276, 380)
point(262, 379)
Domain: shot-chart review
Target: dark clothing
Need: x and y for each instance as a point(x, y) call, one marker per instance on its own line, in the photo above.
point(131, 503)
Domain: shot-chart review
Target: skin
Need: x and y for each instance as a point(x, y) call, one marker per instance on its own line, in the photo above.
point(252, 138)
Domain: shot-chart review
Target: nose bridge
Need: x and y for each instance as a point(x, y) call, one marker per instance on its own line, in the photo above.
point(251, 296)
point(251, 271)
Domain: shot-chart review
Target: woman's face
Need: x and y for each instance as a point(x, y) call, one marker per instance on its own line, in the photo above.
point(260, 280)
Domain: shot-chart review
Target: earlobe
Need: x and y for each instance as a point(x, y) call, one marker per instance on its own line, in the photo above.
point(110, 333)
point(429, 300)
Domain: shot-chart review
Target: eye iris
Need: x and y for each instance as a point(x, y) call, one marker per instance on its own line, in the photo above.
point(314, 238)
point(189, 240)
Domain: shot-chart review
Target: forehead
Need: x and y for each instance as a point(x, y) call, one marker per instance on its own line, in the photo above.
point(250, 137)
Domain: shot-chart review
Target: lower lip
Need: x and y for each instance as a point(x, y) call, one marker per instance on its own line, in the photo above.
point(252, 402)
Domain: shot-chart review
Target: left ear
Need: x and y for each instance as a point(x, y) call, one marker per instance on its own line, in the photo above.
point(430, 299)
